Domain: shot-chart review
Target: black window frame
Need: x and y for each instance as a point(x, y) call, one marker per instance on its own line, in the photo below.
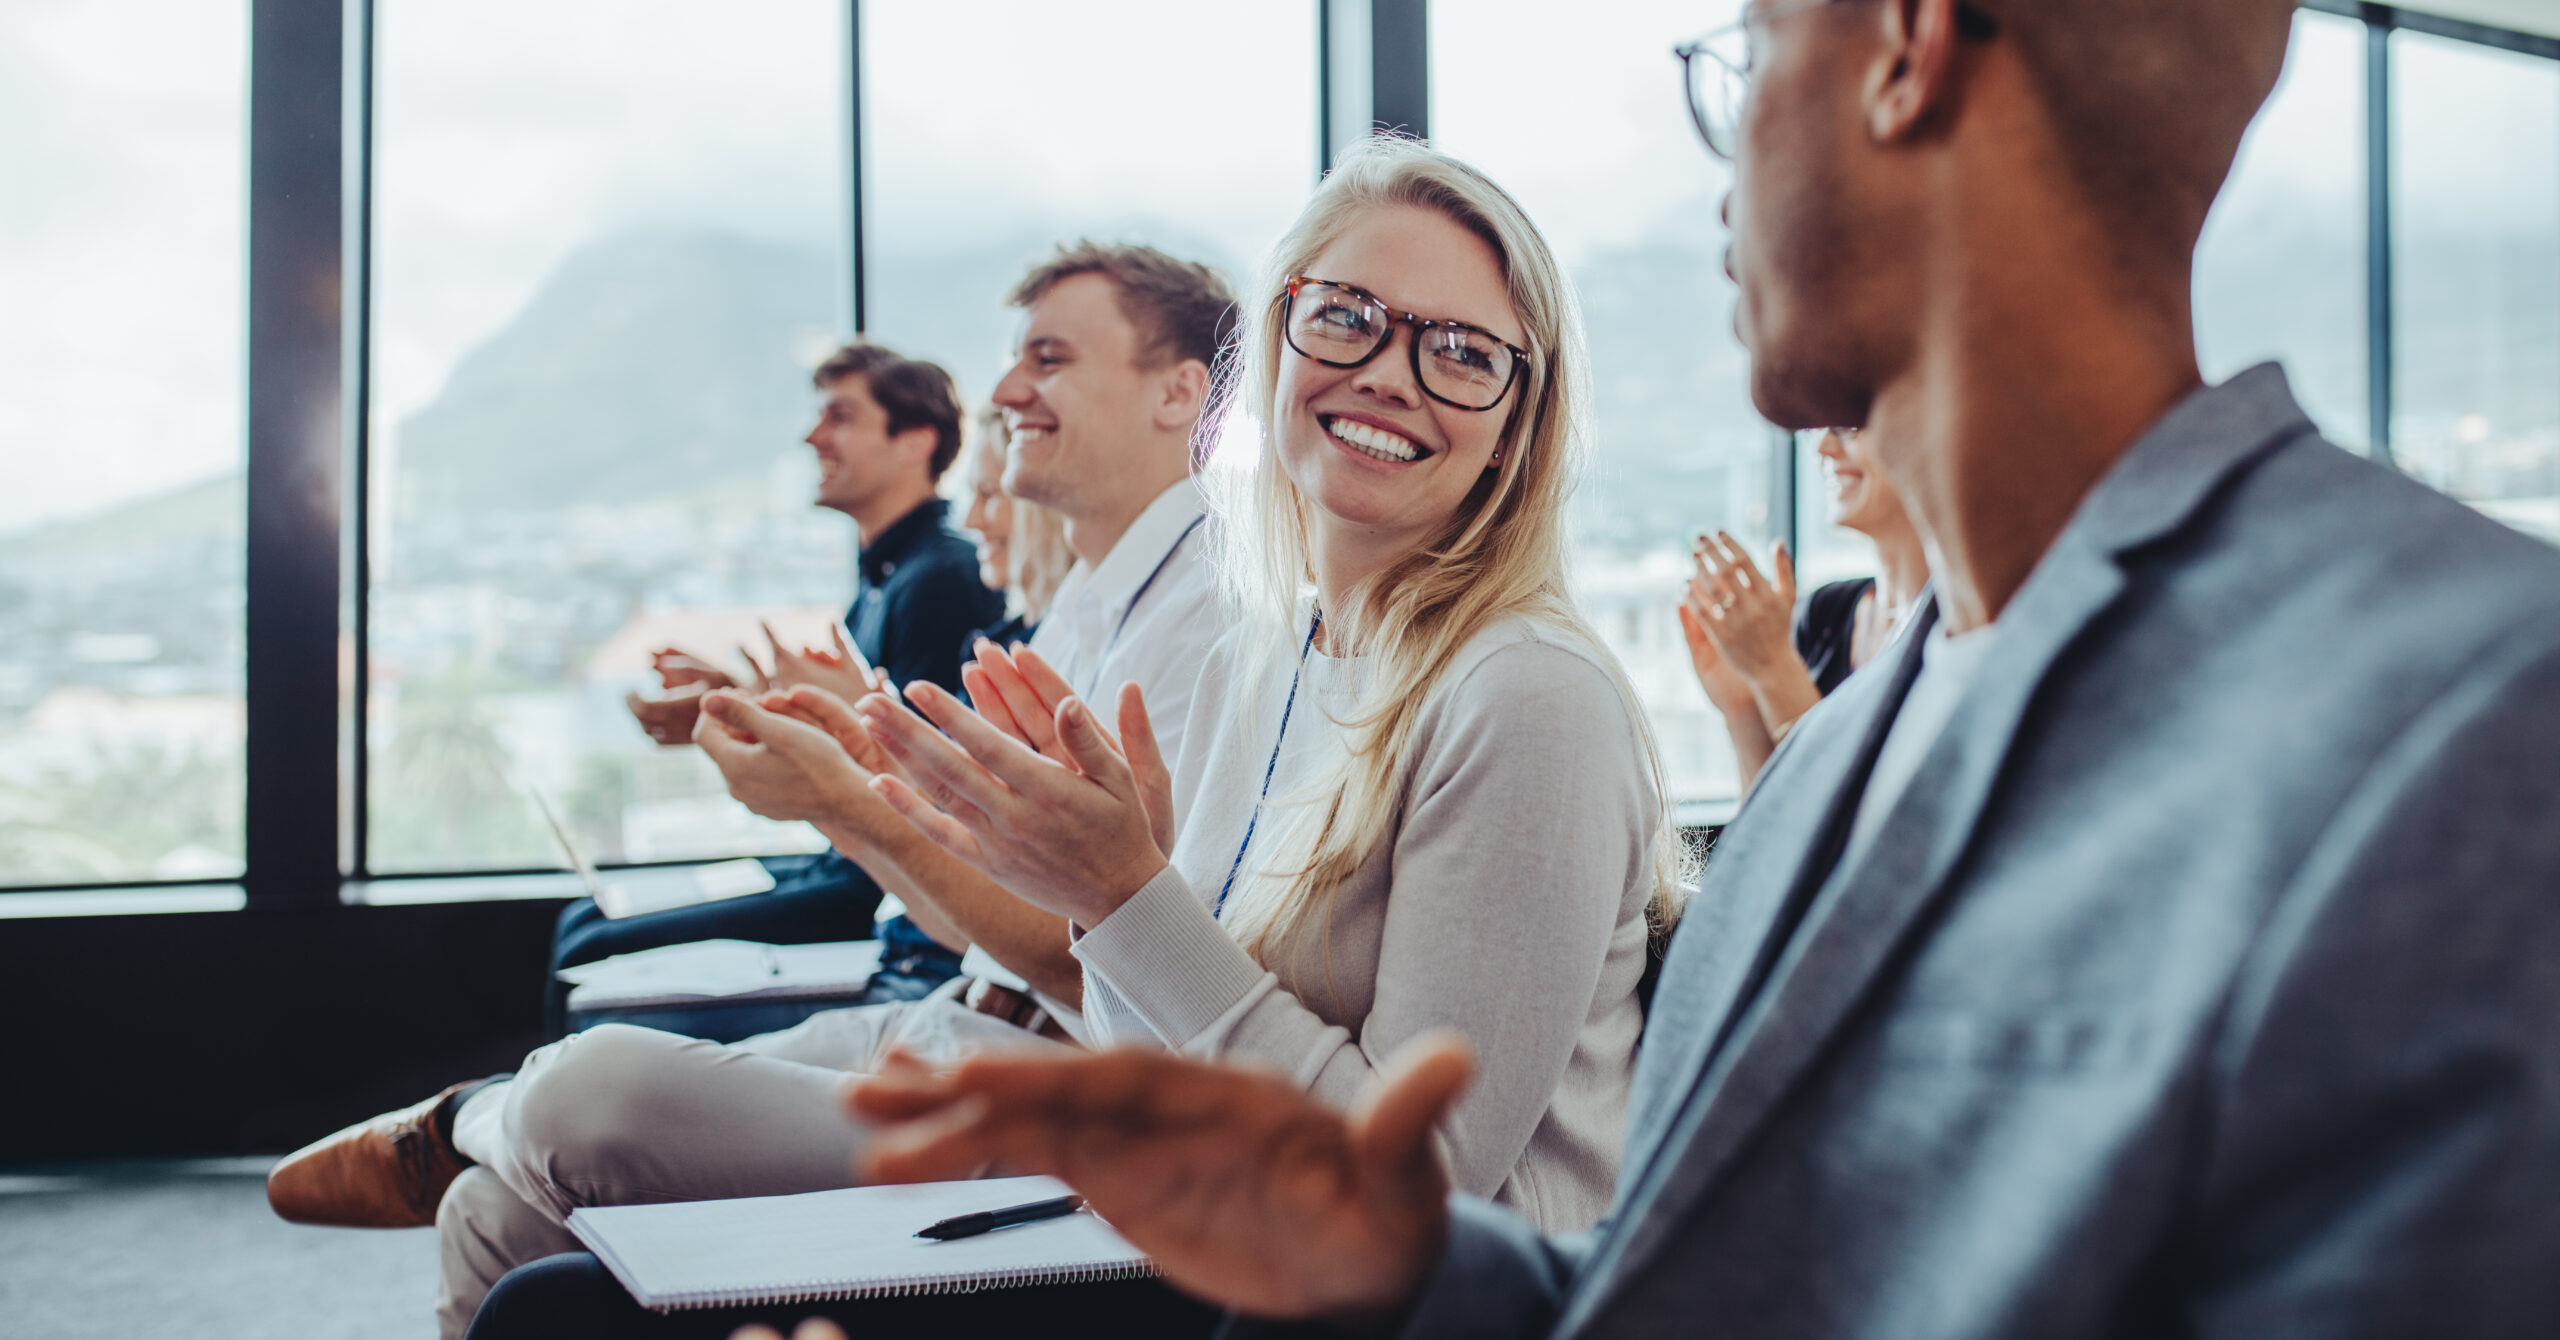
point(307, 371)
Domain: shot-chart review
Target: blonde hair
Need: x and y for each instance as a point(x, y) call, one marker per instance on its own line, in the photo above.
point(1501, 555)
point(1036, 553)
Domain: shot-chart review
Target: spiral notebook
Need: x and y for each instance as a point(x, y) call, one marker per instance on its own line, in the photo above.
point(721, 970)
point(858, 1242)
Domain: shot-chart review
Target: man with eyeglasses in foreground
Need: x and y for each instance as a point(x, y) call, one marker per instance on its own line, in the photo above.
point(2163, 938)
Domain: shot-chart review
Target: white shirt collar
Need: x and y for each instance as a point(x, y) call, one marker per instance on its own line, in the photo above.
point(1114, 582)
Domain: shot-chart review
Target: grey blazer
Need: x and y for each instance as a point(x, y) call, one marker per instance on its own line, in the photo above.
point(2205, 981)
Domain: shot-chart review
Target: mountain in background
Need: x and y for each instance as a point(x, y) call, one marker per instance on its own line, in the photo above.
point(212, 509)
point(944, 299)
point(642, 365)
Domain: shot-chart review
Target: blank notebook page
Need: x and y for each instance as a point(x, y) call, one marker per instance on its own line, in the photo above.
point(858, 1242)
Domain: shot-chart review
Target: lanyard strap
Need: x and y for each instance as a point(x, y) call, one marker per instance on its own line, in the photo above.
point(1132, 607)
point(1268, 768)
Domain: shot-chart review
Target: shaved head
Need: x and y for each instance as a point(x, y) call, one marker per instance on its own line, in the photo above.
point(2150, 99)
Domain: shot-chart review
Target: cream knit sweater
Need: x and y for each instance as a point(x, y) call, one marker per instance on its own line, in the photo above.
point(1508, 903)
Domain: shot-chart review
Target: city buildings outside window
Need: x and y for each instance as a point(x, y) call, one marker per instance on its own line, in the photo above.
point(122, 146)
point(2280, 273)
point(609, 242)
point(2475, 266)
point(608, 239)
point(1584, 123)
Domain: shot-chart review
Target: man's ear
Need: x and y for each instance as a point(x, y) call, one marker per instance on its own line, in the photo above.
point(915, 445)
point(1182, 390)
point(1913, 79)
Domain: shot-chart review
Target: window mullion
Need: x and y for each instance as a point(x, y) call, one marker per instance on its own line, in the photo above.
point(2378, 281)
point(294, 473)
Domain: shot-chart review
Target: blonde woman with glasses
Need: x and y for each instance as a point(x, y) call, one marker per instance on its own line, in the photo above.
point(1415, 793)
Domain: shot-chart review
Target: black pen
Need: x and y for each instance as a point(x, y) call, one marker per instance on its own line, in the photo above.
point(987, 1221)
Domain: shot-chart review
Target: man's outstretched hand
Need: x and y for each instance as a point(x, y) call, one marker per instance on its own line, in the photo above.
point(1246, 1191)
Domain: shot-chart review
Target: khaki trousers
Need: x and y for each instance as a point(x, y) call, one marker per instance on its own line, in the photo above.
point(618, 1115)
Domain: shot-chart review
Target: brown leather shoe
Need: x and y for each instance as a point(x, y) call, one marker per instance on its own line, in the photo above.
point(385, 1173)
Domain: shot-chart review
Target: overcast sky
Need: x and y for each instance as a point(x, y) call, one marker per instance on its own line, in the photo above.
point(513, 130)
point(120, 249)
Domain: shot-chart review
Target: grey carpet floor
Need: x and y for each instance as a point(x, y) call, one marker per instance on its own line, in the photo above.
point(188, 1251)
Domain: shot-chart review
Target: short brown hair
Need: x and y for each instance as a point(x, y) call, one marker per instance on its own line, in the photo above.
point(1182, 310)
point(916, 394)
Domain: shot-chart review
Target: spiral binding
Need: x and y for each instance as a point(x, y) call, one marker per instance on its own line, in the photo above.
point(811, 1291)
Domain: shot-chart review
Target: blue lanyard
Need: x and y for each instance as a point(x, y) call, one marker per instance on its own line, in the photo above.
point(1268, 768)
point(1132, 607)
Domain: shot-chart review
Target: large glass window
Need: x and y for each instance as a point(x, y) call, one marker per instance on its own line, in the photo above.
point(2280, 273)
point(998, 129)
point(609, 237)
point(608, 246)
point(2476, 276)
point(121, 528)
point(1584, 123)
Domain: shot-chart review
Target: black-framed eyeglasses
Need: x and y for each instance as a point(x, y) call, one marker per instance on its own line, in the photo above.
point(1716, 70)
point(1463, 366)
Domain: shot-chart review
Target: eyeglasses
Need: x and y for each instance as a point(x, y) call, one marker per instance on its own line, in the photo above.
point(1343, 327)
point(1716, 70)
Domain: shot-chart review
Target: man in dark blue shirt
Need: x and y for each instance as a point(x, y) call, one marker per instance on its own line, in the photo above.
point(889, 428)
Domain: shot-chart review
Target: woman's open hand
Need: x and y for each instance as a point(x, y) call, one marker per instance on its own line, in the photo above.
point(1075, 837)
point(1725, 686)
point(1749, 617)
point(1748, 620)
point(1018, 693)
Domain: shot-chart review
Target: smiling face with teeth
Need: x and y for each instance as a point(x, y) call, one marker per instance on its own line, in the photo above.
point(1385, 465)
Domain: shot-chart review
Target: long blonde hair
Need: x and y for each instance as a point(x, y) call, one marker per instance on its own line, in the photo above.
point(1501, 555)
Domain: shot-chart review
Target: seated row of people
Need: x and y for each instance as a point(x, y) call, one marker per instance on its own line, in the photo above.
point(888, 429)
point(1395, 786)
point(900, 628)
point(2056, 978)
point(2156, 938)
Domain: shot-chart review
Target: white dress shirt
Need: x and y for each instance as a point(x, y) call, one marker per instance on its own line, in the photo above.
point(1147, 614)
point(1948, 665)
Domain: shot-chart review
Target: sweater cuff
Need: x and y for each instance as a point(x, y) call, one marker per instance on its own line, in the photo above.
point(1169, 960)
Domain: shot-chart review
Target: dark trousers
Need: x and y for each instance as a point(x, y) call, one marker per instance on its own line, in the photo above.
point(815, 900)
point(574, 1297)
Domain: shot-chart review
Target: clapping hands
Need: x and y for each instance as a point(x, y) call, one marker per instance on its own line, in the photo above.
point(1031, 791)
point(684, 678)
point(1749, 618)
point(797, 755)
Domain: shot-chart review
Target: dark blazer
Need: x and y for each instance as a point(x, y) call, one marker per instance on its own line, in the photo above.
point(920, 597)
point(2205, 981)
point(917, 595)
